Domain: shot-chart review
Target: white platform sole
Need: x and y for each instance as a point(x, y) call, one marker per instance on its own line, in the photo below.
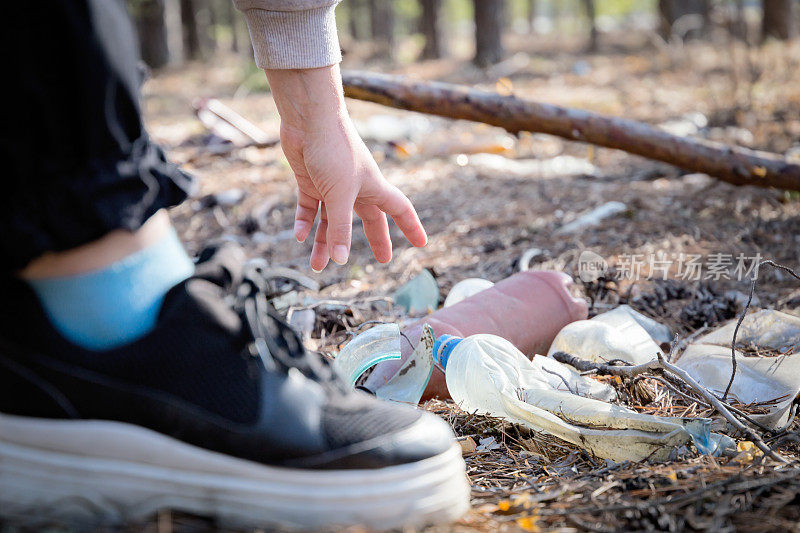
point(98, 472)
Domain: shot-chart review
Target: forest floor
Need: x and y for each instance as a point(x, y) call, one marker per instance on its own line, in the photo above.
point(482, 220)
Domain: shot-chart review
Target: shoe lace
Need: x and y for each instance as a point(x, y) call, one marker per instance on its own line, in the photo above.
point(274, 341)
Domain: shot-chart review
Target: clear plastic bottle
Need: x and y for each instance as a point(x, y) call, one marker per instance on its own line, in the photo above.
point(487, 374)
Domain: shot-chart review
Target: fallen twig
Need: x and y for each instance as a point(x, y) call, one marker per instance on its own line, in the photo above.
point(744, 313)
point(660, 363)
point(720, 407)
point(733, 164)
point(603, 368)
point(228, 124)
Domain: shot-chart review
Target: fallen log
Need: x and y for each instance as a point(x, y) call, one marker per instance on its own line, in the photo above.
point(736, 165)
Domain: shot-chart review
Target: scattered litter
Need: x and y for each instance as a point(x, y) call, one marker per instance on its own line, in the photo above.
point(302, 320)
point(408, 384)
point(619, 334)
point(501, 166)
point(227, 198)
point(292, 299)
point(388, 128)
point(420, 295)
point(466, 288)
point(689, 124)
point(593, 217)
point(509, 66)
point(260, 237)
point(759, 378)
point(732, 134)
point(468, 445)
point(469, 144)
point(487, 374)
point(282, 279)
point(528, 256)
point(380, 343)
point(658, 331)
point(230, 125)
point(488, 443)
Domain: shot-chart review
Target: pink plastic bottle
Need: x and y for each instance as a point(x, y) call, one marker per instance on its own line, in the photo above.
point(528, 309)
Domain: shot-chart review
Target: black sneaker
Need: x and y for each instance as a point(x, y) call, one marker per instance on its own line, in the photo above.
point(218, 411)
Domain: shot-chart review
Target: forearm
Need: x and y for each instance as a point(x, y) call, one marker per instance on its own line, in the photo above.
point(308, 97)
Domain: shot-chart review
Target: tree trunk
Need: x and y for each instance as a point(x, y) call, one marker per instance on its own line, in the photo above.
point(488, 31)
point(191, 34)
point(211, 25)
point(591, 15)
point(532, 5)
point(356, 21)
point(430, 25)
point(738, 23)
point(233, 25)
point(694, 17)
point(381, 21)
point(780, 20)
point(733, 164)
point(152, 30)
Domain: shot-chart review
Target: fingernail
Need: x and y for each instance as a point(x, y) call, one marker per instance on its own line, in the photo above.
point(315, 270)
point(340, 254)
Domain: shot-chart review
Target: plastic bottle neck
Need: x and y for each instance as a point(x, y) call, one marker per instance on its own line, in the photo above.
point(443, 347)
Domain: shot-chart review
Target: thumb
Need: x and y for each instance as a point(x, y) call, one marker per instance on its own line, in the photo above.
point(340, 227)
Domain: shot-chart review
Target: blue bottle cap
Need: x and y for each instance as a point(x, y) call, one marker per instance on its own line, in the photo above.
point(443, 347)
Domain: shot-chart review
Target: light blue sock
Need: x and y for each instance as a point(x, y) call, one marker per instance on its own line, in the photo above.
point(107, 308)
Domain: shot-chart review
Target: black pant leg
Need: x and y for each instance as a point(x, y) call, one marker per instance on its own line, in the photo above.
point(78, 160)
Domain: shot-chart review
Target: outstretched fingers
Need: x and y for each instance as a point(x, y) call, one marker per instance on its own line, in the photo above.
point(319, 252)
point(307, 208)
point(340, 228)
point(376, 229)
point(394, 203)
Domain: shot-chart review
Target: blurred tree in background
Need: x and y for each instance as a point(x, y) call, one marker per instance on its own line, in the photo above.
point(190, 29)
point(381, 19)
point(152, 29)
point(591, 16)
point(489, 18)
point(780, 19)
point(408, 30)
point(430, 26)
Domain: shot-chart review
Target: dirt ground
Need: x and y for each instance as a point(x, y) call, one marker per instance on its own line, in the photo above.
point(481, 221)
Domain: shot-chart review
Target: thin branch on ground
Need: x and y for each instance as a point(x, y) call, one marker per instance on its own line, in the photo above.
point(744, 313)
point(602, 368)
point(660, 364)
point(721, 408)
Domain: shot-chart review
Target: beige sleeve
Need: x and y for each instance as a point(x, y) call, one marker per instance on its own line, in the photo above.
point(289, 34)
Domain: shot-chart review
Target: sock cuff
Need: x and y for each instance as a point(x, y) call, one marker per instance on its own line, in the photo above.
point(118, 304)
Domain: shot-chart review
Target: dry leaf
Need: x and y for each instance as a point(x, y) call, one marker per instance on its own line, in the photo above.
point(529, 523)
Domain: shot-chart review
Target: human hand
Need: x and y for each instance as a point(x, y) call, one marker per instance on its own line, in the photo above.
point(335, 172)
